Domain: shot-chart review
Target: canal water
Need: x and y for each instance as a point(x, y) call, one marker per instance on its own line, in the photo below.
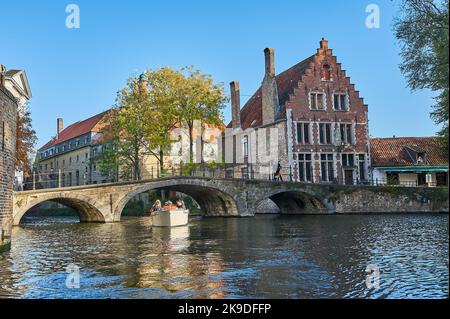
point(406, 256)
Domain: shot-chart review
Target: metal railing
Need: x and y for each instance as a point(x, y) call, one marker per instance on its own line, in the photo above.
point(59, 179)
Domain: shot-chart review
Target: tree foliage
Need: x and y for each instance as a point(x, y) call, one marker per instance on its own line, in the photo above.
point(146, 112)
point(200, 100)
point(422, 30)
point(25, 141)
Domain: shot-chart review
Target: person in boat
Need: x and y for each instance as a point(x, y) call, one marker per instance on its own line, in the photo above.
point(156, 207)
point(168, 206)
point(180, 204)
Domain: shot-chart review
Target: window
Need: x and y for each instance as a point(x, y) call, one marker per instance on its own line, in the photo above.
point(86, 155)
point(303, 133)
point(362, 167)
point(317, 101)
point(78, 158)
point(70, 179)
point(441, 179)
point(326, 72)
point(325, 133)
point(94, 152)
point(305, 167)
point(326, 167)
point(340, 102)
point(348, 160)
point(346, 133)
point(245, 146)
point(77, 143)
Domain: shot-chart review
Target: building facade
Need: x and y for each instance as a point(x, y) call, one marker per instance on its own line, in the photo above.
point(408, 161)
point(8, 120)
point(16, 82)
point(66, 160)
point(71, 158)
point(310, 117)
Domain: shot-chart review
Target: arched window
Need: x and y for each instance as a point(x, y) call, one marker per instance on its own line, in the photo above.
point(326, 72)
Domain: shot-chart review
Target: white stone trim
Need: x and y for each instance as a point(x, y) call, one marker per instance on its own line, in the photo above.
point(324, 99)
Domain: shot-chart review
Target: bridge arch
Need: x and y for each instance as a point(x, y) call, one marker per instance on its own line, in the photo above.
point(213, 201)
point(298, 201)
point(88, 209)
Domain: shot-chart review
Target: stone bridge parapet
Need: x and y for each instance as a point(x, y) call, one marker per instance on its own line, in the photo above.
point(238, 197)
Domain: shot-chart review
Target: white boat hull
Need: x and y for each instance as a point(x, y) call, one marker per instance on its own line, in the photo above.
point(172, 218)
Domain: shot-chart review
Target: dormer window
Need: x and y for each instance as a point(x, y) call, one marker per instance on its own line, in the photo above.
point(421, 158)
point(326, 72)
point(416, 155)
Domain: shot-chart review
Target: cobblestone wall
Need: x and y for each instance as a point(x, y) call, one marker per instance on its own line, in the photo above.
point(8, 111)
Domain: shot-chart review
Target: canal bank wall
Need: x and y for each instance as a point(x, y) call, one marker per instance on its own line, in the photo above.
point(392, 199)
point(8, 120)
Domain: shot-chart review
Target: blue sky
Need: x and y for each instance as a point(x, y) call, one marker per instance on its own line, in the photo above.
point(75, 73)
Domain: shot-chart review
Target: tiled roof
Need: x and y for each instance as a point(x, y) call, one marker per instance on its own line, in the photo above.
point(391, 151)
point(77, 129)
point(251, 113)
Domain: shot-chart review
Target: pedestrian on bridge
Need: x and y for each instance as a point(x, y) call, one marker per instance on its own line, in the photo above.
point(278, 173)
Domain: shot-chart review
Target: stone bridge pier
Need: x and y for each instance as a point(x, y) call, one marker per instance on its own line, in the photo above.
point(228, 197)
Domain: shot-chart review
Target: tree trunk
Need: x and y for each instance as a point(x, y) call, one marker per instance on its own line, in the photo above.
point(161, 160)
point(191, 142)
point(202, 130)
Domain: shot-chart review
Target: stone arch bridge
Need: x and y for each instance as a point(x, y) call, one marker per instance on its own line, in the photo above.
point(225, 197)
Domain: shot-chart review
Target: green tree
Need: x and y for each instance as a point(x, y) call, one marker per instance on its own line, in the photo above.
point(128, 132)
point(163, 88)
point(422, 29)
point(199, 100)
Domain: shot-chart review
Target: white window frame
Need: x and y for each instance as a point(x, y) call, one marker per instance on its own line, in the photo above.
point(324, 100)
point(331, 134)
point(327, 161)
point(302, 123)
point(347, 101)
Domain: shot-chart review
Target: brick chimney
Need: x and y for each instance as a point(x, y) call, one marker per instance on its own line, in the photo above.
point(324, 44)
point(59, 126)
point(269, 88)
point(2, 75)
point(235, 104)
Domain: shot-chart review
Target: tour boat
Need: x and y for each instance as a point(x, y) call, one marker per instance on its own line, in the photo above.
point(171, 218)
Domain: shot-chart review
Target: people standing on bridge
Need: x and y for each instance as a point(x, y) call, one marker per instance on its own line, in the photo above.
point(278, 173)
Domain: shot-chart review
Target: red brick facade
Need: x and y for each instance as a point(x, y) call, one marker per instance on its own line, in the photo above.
point(326, 121)
point(325, 75)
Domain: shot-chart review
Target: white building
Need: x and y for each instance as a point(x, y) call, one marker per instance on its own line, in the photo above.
point(16, 81)
point(408, 161)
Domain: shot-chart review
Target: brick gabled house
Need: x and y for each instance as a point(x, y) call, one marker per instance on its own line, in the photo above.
point(320, 119)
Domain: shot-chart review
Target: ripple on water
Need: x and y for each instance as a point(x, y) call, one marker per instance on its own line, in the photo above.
point(265, 257)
